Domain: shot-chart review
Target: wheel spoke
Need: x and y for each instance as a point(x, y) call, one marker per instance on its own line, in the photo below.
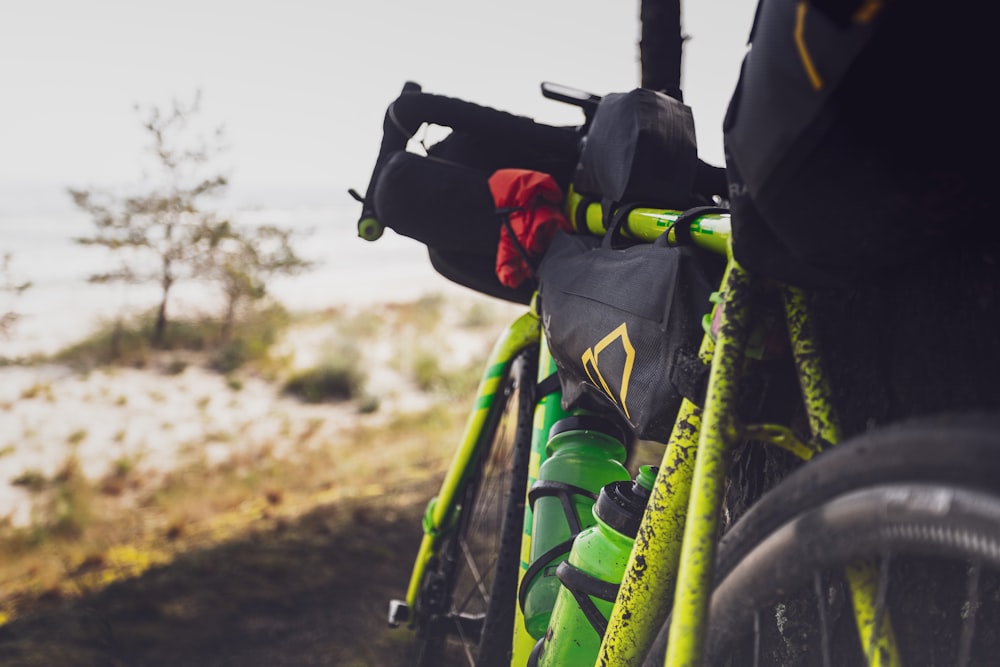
point(478, 563)
point(477, 576)
point(824, 618)
point(466, 644)
point(909, 516)
point(969, 611)
point(756, 639)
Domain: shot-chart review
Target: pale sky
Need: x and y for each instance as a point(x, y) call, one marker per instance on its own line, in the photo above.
point(302, 85)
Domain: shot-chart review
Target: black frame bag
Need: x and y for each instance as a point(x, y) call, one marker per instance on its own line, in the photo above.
point(624, 325)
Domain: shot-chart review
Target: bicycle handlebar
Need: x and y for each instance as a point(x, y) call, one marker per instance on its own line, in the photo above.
point(413, 108)
point(586, 101)
point(394, 138)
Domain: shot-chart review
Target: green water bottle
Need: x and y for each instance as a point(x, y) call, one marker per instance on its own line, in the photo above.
point(584, 453)
point(591, 575)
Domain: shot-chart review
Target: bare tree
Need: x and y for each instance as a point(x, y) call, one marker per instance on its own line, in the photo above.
point(241, 260)
point(155, 232)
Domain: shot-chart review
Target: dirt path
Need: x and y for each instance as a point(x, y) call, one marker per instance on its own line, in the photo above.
point(312, 591)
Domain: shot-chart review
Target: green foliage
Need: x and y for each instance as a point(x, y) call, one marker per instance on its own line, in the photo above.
point(37, 390)
point(65, 508)
point(32, 480)
point(426, 370)
point(333, 380)
point(426, 311)
point(70, 509)
point(368, 404)
point(240, 259)
point(430, 375)
point(127, 342)
point(360, 326)
point(477, 316)
point(339, 376)
point(250, 342)
point(176, 367)
point(77, 436)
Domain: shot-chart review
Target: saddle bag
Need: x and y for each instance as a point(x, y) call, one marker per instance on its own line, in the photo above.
point(624, 325)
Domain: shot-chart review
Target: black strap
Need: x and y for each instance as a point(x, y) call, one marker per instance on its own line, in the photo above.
point(580, 214)
point(542, 562)
point(547, 488)
point(619, 219)
point(607, 215)
point(584, 586)
point(613, 220)
point(682, 225)
point(548, 386)
point(689, 375)
point(504, 214)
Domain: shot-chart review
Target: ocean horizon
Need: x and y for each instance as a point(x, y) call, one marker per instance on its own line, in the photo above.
point(61, 306)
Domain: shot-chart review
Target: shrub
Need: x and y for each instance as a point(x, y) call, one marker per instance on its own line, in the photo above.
point(332, 380)
point(126, 342)
point(427, 370)
point(251, 340)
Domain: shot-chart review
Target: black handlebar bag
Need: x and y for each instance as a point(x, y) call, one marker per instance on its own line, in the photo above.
point(443, 199)
point(624, 325)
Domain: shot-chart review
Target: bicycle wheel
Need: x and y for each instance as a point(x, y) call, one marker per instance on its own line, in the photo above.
point(469, 594)
point(919, 504)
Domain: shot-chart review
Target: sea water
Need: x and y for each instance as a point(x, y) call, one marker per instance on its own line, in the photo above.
point(61, 306)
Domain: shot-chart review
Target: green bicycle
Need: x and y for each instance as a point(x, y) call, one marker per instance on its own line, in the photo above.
point(920, 498)
point(764, 535)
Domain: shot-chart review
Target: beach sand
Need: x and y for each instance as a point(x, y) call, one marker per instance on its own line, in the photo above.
point(154, 421)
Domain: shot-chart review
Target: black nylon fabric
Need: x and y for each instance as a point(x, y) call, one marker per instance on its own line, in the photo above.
point(617, 320)
point(857, 146)
point(641, 146)
point(442, 204)
point(443, 199)
point(477, 273)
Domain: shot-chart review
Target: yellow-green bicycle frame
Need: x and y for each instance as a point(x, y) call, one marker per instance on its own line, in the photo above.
point(674, 551)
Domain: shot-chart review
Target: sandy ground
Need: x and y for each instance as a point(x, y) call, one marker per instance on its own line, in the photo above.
point(155, 422)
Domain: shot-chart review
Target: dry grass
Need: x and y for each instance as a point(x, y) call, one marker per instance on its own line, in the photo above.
point(294, 539)
point(82, 528)
point(87, 533)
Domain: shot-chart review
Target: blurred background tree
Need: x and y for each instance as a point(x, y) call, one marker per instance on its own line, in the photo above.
point(154, 232)
point(167, 231)
point(240, 259)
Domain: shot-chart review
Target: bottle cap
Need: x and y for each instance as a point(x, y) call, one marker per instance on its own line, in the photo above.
point(589, 423)
point(620, 504)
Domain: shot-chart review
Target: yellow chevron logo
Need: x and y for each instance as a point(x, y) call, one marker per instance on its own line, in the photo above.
point(592, 367)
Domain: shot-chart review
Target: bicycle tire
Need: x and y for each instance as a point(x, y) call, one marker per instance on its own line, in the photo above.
point(925, 528)
point(960, 449)
point(797, 536)
point(472, 587)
